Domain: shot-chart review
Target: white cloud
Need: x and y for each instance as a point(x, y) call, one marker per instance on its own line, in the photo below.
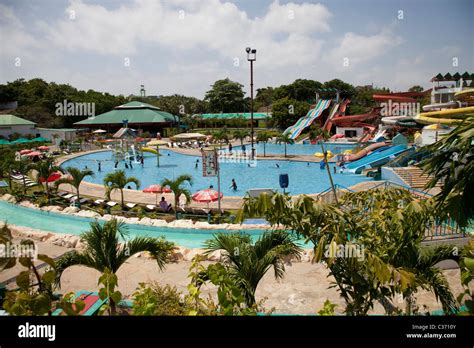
point(360, 48)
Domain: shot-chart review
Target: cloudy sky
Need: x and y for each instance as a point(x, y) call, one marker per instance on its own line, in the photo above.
point(183, 46)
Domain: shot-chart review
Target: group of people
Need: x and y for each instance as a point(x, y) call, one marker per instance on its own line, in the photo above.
point(128, 165)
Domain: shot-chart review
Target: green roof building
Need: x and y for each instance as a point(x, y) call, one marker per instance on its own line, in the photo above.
point(228, 116)
point(10, 124)
point(141, 116)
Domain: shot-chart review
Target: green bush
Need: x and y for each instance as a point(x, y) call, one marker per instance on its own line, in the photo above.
point(153, 299)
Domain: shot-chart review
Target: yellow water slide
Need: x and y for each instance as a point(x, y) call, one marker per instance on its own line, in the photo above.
point(466, 96)
point(447, 116)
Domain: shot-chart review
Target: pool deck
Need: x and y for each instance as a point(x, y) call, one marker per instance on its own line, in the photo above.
point(136, 196)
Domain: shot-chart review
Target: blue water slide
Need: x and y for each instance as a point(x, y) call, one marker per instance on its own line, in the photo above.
point(375, 159)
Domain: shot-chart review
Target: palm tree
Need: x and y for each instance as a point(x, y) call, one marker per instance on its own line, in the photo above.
point(452, 165)
point(103, 250)
point(44, 169)
point(118, 180)
point(221, 136)
point(240, 134)
point(324, 136)
point(248, 262)
point(75, 178)
point(178, 190)
point(285, 139)
point(263, 136)
point(22, 167)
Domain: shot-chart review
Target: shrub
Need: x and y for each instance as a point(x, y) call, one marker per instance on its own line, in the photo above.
point(153, 299)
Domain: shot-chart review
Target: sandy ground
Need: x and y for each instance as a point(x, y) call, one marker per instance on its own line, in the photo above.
point(303, 290)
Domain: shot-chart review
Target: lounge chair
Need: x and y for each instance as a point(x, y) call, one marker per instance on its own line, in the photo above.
point(91, 301)
point(99, 202)
point(84, 200)
point(150, 207)
point(111, 204)
point(62, 194)
point(130, 205)
point(69, 196)
point(200, 211)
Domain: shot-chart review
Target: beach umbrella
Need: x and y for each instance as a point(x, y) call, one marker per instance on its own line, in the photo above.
point(20, 141)
point(53, 177)
point(206, 196)
point(25, 151)
point(157, 189)
point(33, 154)
point(43, 148)
point(99, 131)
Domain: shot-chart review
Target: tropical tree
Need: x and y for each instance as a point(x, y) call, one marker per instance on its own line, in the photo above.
point(44, 169)
point(22, 167)
point(105, 253)
point(264, 136)
point(247, 262)
point(371, 243)
point(286, 111)
point(176, 186)
point(221, 136)
point(284, 139)
point(240, 134)
point(226, 96)
point(75, 178)
point(452, 165)
point(118, 180)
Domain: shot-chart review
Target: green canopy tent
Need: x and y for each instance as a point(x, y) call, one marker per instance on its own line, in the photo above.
point(4, 142)
point(20, 141)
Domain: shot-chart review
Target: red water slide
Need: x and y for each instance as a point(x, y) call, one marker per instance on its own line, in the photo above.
point(348, 121)
point(364, 152)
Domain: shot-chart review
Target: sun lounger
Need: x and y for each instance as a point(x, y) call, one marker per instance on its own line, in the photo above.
point(200, 211)
point(62, 194)
point(91, 301)
point(84, 200)
point(68, 196)
point(150, 207)
point(111, 204)
point(130, 205)
point(98, 202)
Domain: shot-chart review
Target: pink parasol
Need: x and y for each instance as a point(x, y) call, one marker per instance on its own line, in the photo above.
point(206, 196)
point(25, 151)
point(33, 154)
point(43, 148)
point(157, 189)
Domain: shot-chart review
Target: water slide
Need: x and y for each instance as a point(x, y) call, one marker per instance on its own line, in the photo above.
point(150, 150)
point(466, 96)
point(364, 152)
point(305, 121)
point(377, 158)
point(342, 109)
point(349, 121)
point(447, 116)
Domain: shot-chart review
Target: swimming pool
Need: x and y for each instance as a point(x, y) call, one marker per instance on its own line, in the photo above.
point(62, 223)
point(303, 177)
point(301, 149)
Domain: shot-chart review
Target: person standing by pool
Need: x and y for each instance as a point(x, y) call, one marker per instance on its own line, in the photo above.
point(130, 161)
point(197, 164)
point(233, 186)
point(230, 147)
point(243, 149)
point(142, 161)
point(100, 167)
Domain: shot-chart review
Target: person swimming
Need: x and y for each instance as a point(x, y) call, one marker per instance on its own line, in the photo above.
point(277, 165)
point(233, 185)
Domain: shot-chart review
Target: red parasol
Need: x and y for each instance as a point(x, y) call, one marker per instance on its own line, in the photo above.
point(206, 196)
point(43, 148)
point(33, 154)
point(25, 151)
point(157, 189)
point(52, 177)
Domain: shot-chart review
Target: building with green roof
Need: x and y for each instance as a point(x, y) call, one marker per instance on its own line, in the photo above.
point(10, 124)
point(139, 115)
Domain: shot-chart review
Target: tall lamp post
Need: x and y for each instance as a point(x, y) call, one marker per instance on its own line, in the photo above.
point(251, 57)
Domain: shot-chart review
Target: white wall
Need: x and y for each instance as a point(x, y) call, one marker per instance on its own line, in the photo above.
point(24, 130)
point(342, 130)
point(430, 136)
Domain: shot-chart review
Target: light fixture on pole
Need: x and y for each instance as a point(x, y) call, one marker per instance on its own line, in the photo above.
point(251, 57)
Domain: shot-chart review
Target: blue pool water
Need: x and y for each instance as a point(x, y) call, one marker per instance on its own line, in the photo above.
point(303, 177)
point(301, 149)
point(61, 223)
